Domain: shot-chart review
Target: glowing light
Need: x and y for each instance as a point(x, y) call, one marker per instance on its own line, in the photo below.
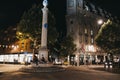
point(21, 50)
point(13, 46)
point(17, 46)
point(90, 48)
point(100, 21)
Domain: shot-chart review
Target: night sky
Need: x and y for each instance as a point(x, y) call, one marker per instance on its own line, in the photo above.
point(11, 10)
point(111, 6)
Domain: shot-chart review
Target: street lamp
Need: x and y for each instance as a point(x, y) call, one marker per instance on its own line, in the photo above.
point(100, 21)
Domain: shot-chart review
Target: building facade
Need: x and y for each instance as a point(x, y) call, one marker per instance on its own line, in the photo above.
point(10, 44)
point(83, 27)
point(13, 50)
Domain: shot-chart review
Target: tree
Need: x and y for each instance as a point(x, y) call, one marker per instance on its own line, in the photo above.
point(31, 23)
point(108, 37)
point(65, 47)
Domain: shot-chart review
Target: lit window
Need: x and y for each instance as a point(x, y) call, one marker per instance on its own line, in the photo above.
point(92, 41)
point(91, 32)
point(22, 45)
point(85, 31)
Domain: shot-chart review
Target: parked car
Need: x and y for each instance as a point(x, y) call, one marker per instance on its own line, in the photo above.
point(65, 63)
point(57, 62)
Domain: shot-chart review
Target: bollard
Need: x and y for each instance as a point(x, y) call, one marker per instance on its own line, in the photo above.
point(110, 64)
point(106, 65)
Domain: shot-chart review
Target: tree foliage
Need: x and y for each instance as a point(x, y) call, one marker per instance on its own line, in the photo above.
point(108, 37)
point(30, 22)
point(30, 25)
point(65, 47)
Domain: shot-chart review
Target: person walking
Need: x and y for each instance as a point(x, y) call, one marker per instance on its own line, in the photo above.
point(35, 59)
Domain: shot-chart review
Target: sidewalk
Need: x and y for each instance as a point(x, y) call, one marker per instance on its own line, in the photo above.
point(96, 68)
point(16, 67)
point(111, 70)
point(29, 68)
point(10, 67)
point(86, 67)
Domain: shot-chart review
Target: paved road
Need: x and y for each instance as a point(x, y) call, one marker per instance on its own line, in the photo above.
point(71, 73)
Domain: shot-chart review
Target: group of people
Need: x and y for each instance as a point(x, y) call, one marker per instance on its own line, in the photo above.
point(36, 60)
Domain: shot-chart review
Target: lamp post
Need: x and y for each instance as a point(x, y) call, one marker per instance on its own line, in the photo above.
point(99, 22)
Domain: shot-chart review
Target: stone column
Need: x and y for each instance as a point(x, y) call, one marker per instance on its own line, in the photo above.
point(43, 52)
point(44, 27)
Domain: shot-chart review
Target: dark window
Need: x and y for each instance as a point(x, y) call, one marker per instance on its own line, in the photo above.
point(31, 45)
point(71, 22)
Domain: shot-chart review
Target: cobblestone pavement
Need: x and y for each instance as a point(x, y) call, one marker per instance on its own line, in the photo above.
point(71, 73)
point(28, 68)
point(12, 68)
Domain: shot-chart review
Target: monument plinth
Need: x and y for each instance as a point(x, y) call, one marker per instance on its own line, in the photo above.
point(43, 51)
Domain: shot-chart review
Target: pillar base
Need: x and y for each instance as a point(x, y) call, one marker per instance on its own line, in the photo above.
point(43, 53)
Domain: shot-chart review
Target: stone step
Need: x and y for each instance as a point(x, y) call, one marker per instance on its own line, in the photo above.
point(41, 69)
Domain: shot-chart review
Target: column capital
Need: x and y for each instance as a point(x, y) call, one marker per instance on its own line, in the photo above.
point(45, 3)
